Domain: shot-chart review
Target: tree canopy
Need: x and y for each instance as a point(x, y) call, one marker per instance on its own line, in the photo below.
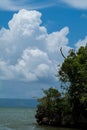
point(70, 108)
point(49, 107)
point(74, 72)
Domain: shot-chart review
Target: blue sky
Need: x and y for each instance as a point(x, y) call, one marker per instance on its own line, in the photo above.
point(31, 34)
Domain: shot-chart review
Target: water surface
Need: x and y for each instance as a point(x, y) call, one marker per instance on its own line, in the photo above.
point(21, 119)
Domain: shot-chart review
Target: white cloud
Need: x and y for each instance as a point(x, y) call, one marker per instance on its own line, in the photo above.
point(27, 51)
point(5, 71)
point(56, 40)
point(80, 4)
point(81, 42)
point(84, 16)
point(33, 65)
point(16, 5)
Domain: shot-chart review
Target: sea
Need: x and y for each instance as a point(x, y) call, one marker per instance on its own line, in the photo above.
point(21, 118)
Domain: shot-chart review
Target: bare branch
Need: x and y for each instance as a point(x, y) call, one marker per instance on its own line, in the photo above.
point(62, 53)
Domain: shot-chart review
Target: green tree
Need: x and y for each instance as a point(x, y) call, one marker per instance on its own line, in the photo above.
point(74, 72)
point(49, 108)
point(69, 108)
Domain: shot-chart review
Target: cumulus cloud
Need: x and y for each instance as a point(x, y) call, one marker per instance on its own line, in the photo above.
point(27, 51)
point(56, 40)
point(80, 4)
point(34, 64)
point(81, 42)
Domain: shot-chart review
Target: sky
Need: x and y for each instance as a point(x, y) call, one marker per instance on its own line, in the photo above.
point(31, 35)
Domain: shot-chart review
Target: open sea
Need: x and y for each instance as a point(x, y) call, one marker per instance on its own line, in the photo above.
point(21, 119)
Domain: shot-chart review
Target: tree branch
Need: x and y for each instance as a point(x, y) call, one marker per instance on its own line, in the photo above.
point(62, 53)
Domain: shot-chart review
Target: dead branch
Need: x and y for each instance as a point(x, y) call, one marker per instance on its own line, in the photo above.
point(62, 53)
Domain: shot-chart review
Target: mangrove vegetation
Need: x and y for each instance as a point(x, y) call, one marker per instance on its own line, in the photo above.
point(70, 107)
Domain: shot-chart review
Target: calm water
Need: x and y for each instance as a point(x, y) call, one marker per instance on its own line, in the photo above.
point(21, 119)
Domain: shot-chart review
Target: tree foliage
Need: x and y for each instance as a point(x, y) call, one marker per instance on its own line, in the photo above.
point(74, 72)
point(70, 108)
point(49, 107)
